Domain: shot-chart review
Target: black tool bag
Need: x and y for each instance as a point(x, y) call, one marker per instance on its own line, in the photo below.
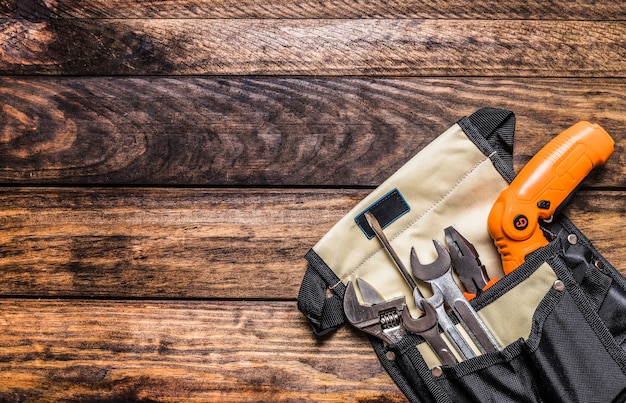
point(559, 318)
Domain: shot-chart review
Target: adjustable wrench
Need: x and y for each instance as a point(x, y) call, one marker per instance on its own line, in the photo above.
point(389, 320)
point(380, 319)
point(436, 300)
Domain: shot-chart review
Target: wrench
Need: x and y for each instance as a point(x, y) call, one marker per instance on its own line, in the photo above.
point(439, 275)
point(426, 326)
point(382, 319)
point(448, 327)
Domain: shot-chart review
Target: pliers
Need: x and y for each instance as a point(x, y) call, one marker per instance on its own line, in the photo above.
point(436, 301)
point(466, 264)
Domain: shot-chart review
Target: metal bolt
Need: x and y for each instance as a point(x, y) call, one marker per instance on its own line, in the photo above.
point(437, 372)
point(391, 356)
point(558, 285)
point(599, 265)
point(572, 239)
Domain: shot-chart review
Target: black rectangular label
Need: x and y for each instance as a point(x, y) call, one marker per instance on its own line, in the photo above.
point(387, 209)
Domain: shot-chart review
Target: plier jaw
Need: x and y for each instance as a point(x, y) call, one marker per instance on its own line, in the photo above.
point(466, 263)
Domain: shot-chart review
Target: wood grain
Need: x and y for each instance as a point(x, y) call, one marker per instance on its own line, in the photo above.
point(35, 10)
point(151, 351)
point(329, 47)
point(165, 165)
point(196, 243)
point(272, 131)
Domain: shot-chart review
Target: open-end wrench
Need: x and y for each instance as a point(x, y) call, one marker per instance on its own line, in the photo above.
point(447, 325)
point(439, 275)
point(426, 326)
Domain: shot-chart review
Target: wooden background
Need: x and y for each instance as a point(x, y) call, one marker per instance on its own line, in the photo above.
point(164, 166)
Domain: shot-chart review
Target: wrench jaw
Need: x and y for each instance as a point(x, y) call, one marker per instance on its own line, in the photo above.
point(382, 320)
point(426, 326)
point(433, 270)
point(390, 320)
point(436, 301)
point(422, 324)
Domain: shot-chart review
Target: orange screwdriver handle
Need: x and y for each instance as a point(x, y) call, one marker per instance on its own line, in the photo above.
point(541, 187)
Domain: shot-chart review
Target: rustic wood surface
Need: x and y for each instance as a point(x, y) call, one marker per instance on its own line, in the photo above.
point(165, 165)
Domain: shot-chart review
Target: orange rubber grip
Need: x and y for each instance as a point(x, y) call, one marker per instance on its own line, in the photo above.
point(470, 296)
point(541, 187)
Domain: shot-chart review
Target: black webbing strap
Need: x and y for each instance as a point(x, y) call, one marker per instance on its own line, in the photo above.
point(321, 296)
point(492, 131)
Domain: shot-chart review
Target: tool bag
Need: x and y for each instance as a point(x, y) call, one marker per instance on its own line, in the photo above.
point(559, 318)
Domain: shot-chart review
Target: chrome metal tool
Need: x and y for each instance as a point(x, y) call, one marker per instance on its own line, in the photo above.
point(439, 275)
point(381, 319)
point(466, 263)
point(426, 326)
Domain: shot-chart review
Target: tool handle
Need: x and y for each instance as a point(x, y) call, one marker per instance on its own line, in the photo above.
point(435, 341)
point(541, 187)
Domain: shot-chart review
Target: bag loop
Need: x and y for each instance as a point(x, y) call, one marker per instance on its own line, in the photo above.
point(321, 296)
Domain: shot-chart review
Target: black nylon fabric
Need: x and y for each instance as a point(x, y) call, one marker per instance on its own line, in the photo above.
point(503, 381)
point(492, 131)
point(497, 126)
point(570, 356)
point(612, 313)
point(403, 370)
point(571, 361)
point(320, 297)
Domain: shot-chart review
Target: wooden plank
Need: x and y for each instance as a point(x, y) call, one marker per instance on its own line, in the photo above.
point(54, 350)
point(184, 243)
point(460, 9)
point(331, 47)
point(197, 243)
point(272, 131)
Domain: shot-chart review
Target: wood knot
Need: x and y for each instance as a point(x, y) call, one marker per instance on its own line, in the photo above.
point(32, 10)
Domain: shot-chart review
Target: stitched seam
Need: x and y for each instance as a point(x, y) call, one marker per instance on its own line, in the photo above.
point(418, 218)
